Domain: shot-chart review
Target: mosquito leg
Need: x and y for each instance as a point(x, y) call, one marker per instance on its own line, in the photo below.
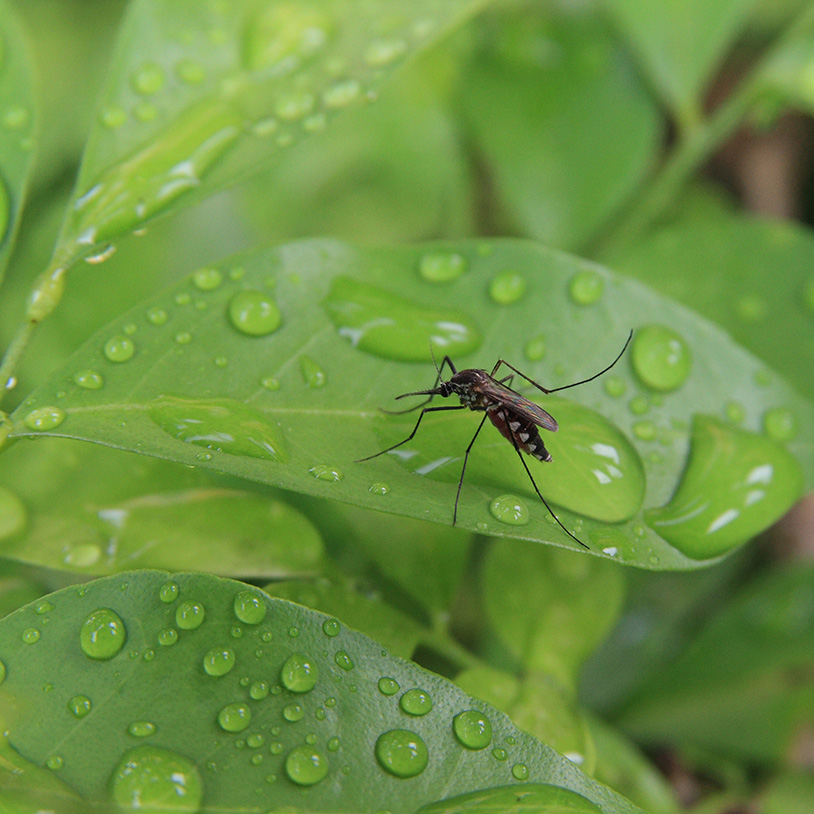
point(415, 429)
point(522, 375)
point(596, 375)
point(445, 361)
point(534, 484)
point(463, 468)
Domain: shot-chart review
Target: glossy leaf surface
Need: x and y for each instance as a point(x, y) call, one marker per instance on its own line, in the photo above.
point(260, 702)
point(187, 378)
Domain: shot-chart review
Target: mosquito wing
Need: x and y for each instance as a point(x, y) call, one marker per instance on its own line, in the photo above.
point(520, 405)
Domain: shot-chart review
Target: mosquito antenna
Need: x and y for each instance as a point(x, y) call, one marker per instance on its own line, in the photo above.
point(432, 353)
point(596, 375)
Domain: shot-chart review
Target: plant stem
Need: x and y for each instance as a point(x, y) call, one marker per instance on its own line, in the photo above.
point(13, 353)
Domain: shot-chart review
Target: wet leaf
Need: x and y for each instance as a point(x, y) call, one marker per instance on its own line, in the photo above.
point(187, 378)
point(18, 126)
point(531, 799)
point(258, 704)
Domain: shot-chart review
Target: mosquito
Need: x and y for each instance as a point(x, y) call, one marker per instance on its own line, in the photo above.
point(515, 417)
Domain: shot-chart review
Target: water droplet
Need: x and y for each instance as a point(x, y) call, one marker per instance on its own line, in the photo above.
point(79, 705)
point(168, 592)
point(190, 71)
point(644, 430)
point(388, 686)
point(333, 744)
point(520, 771)
point(89, 379)
point(535, 349)
point(167, 637)
point(416, 702)
point(254, 313)
point(102, 634)
point(382, 52)
point(141, 729)
point(586, 287)
point(157, 316)
point(44, 418)
point(113, 117)
point(31, 635)
point(183, 298)
point(16, 117)
point(82, 555)
point(508, 287)
point(299, 673)
point(183, 337)
point(326, 472)
point(119, 348)
point(148, 79)
point(305, 765)
point(55, 762)
point(341, 93)
point(441, 267)
point(259, 690)
point(293, 106)
point(281, 36)
point(639, 405)
point(331, 627)
point(735, 484)
point(99, 257)
point(207, 279)
point(189, 615)
point(223, 425)
point(249, 607)
point(219, 661)
point(312, 374)
point(234, 717)
point(379, 488)
point(293, 713)
point(343, 660)
point(402, 753)
point(510, 510)
point(780, 424)
point(751, 308)
point(660, 358)
point(381, 323)
point(498, 753)
point(293, 632)
point(472, 729)
point(255, 741)
point(153, 779)
point(615, 386)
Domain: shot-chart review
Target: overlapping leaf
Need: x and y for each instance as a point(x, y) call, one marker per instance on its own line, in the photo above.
point(345, 329)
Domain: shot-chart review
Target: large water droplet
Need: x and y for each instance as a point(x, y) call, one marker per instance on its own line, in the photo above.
point(392, 327)
point(326, 472)
point(510, 510)
point(102, 634)
point(223, 425)
point(190, 615)
point(249, 607)
point(660, 358)
point(388, 686)
point(402, 753)
point(234, 717)
point(441, 267)
point(141, 729)
point(168, 592)
point(79, 705)
point(293, 712)
point(312, 374)
point(472, 729)
point(520, 771)
point(299, 673)
point(416, 702)
point(44, 418)
point(736, 483)
point(254, 313)
point(305, 765)
point(219, 661)
point(153, 779)
point(119, 348)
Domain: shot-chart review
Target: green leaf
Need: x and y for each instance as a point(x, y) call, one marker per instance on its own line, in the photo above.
point(566, 129)
point(199, 95)
point(680, 43)
point(368, 614)
point(549, 607)
point(531, 799)
point(19, 126)
point(97, 511)
point(743, 687)
point(298, 407)
point(723, 267)
point(103, 674)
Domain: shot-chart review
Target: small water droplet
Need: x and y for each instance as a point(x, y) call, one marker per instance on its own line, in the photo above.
point(183, 337)
point(220, 361)
point(293, 106)
point(254, 313)
point(343, 660)
point(168, 592)
point(157, 316)
point(644, 430)
point(145, 112)
point(735, 412)
point(207, 279)
point(751, 309)
point(148, 79)
point(660, 358)
point(384, 51)
point(331, 627)
point(89, 379)
point(255, 740)
point(402, 753)
point(326, 472)
point(472, 729)
point(102, 634)
point(535, 348)
point(16, 117)
point(520, 771)
point(780, 424)
point(293, 712)
point(31, 635)
point(55, 762)
point(82, 555)
point(379, 488)
point(99, 257)
point(219, 661)
point(586, 287)
point(441, 267)
point(79, 705)
point(113, 117)
point(333, 744)
point(119, 348)
point(153, 779)
point(183, 298)
point(498, 753)
point(44, 419)
point(259, 690)
point(305, 765)
point(416, 702)
point(167, 637)
point(341, 94)
point(510, 510)
point(312, 374)
point(299, 673)
point(615, 386)
point(141, 729)
point(190, 71)
point(249, 607)
point(639, 405)
point(388, 686)
point(190, 615)
point(234, 717)
point(270, 383)
point(507, 287)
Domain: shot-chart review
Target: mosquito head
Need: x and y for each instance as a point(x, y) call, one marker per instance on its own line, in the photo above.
point(443, 389)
